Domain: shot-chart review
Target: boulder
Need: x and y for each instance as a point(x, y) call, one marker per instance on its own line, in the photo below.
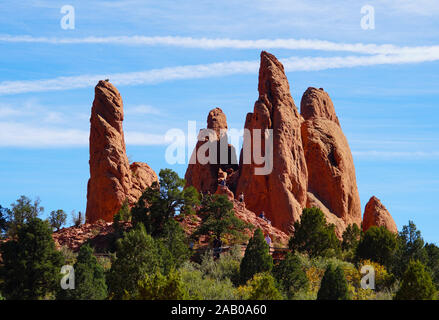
point(376, 214)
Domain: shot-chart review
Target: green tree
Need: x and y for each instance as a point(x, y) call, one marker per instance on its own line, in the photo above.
point(257, 257)
point(433, 261)
point(218, 218)
point(173, 246)
point(31, 264)
point(290, 275)
point(313, 236)
point(379, 245)
point(410, 247)
point(262, 287)
point(123, 215)
point(160, 287)
point(137, 255)
point(416, 283)
point(22, 211)
point(351, 237)
point(89, 278)
point(57, 219)
point(163, 201)
point(4, 225)
point(334, 285)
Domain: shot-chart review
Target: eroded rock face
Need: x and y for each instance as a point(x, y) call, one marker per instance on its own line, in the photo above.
point(331, 171)
point(111, 179)
point(205, 176)
point(376, 214)
point(282, 193)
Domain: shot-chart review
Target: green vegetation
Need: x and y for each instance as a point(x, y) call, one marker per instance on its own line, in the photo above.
point(57, 219)
point(257, 258)
point(218, 218)
point(160, 287)
point(416, 283)
point(334, 285)
point(31, 264)
point(313, 236)
point(290, 275)
point(379, 245)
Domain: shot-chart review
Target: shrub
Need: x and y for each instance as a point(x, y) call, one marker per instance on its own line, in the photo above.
point(379, 245)
point(416, 283)
point(77, 218)
point(89, 278)
point(160, 287)
point(313, 236)
point(334, 285)
point(262, 287)
point(226, 267)
point(31, 263)
point(137, 255)
point(257, 258)
point(290, 275)
point(22, 211)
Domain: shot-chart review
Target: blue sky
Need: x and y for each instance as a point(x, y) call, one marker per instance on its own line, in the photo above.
point(174, 61)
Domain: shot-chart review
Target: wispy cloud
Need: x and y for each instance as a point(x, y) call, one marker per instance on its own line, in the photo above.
point(226, 43)
point(155, 76)
point(395, 155)
point(141, 109)
point(14, 134)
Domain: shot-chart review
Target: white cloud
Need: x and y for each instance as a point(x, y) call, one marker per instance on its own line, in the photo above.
point(395, 155)
point(141, 109)
point(14, 134)
point(226, 43)
point(155, 76)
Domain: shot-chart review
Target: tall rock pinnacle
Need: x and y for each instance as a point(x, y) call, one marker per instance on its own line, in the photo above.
point(331, 171)
point(205, 176)
point(282, 193)
point(111, 179)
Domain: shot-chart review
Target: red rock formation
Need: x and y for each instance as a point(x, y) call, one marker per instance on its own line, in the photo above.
point(331, 171)
point(204, 176)
point(111, 179)
point(376, 214)
point(282, 193)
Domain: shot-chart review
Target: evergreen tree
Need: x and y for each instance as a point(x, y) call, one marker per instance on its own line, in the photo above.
point(379, 245)
point(433, 261)
point(257, 257)
point(416, 283)
point(410, 247)
point(57, 219)
point(4, 225)
point(31, 264)
point(22, 211)
point(218, 218)
point(89, 278)
point(137, 255)
point(334, 285)
point(262, 287)
point(290, 275)
point(313, 236)
point(163, 201)
point(123, 215)
point(351, 237)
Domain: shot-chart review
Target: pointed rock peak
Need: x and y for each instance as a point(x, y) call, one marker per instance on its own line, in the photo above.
point(376, 214)
point(316, 103)
point(273, 82)
point(216, 120)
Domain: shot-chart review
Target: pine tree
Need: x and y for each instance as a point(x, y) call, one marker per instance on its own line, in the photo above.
point(256, 258)
point(89, 278)
point(290, 275)
point(313, 236)
point(31, 264)
point(416, 283)
point(334, 285)
point(136, 256)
